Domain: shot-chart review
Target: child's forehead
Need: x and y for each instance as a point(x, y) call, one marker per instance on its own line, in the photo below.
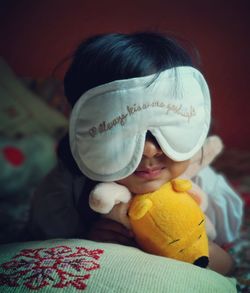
point(113, 119)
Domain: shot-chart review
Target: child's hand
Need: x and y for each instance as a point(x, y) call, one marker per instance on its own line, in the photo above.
point(106, 230)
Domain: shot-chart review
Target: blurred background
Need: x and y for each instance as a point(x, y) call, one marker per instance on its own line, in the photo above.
point(36, 35)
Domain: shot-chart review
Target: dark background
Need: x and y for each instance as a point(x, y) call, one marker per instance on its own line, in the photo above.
point(36, 35)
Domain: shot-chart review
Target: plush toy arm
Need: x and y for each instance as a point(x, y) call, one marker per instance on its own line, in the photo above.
point(106, 195)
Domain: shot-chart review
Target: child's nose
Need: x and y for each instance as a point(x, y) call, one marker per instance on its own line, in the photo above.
point(151, 149)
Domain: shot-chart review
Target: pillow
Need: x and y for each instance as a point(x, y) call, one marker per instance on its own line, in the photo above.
point(101, 268)
point(23, 112)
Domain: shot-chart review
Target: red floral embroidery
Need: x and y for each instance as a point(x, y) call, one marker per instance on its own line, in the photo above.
point(58, 267)
point(13, 155)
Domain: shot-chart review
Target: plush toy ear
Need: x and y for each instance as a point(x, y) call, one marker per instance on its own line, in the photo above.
point(212, 147)
point(181, 185)
point(139, 208)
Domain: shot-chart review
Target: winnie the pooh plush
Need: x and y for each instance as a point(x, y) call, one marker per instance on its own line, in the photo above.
point(170, 221)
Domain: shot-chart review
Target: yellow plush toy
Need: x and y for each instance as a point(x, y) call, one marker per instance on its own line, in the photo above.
point(169, 222)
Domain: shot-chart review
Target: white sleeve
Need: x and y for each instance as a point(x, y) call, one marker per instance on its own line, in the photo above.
point(225, 207)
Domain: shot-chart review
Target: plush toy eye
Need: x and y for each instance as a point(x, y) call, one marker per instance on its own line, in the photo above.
point(201, 222)
point(176, 240)
point(181, 250)
point(199, 237)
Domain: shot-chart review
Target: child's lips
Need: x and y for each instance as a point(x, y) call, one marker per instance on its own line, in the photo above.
point(149, 173)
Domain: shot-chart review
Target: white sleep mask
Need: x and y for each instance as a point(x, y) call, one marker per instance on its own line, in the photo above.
point(108, 124)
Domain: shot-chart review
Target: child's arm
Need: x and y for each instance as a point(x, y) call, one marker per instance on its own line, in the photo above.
point(219, 260)
point(225, 207)
point(53, 209)
point(106, 230)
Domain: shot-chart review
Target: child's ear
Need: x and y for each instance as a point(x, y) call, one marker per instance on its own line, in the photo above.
point(212, 147)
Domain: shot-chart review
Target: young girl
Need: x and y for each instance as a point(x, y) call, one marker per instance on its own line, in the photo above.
point(140, 111)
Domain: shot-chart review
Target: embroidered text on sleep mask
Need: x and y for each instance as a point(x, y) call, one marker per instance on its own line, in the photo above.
point(108, 124)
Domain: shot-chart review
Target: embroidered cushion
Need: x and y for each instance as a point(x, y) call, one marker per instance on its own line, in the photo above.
point(75, 265)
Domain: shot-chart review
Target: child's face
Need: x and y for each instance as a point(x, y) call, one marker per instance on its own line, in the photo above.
point(154, 170)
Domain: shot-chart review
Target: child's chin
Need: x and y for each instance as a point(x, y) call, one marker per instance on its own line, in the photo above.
point(147, 187)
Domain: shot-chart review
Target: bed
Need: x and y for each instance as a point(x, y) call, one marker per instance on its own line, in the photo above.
point(33, 118)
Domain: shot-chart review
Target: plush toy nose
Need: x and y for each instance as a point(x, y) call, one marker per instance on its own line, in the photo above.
point(201, 262)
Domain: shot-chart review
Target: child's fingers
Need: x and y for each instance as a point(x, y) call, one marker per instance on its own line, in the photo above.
point(106, 230)
point(112, 237)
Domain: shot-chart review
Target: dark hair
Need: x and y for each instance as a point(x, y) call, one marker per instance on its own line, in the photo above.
point(108, 57)
point(104, 58)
